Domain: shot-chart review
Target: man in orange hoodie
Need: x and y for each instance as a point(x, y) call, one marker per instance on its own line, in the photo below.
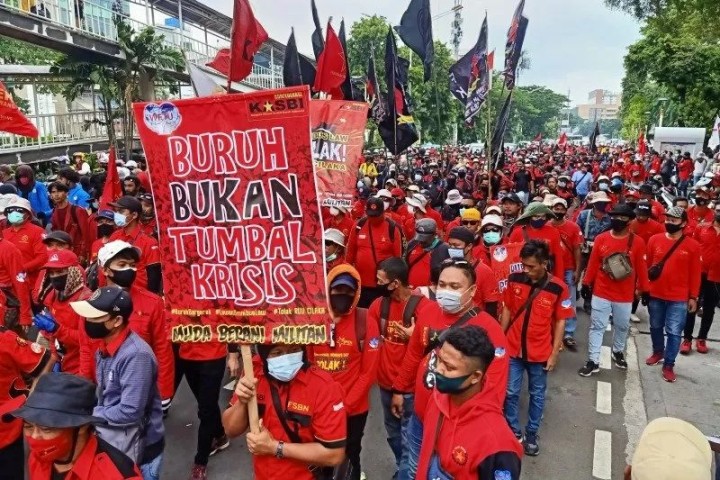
point(351, 356)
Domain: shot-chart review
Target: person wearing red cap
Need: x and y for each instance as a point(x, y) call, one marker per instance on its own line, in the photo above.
point(14, 288)
point(26, 236)
point(373, 239)
point(127, 218)
point(64, 283)
point(700, 214)
point(399, 206)
point(70, 218)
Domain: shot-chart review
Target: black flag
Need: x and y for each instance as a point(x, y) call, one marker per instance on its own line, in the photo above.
point(415, 30)
point(498, 138)
point(593, 137)
point(514, 44)
point(479, 84)
point(347, 87)
point(378, 109)
point(318, 41)
point(297, 70)
point(397, 129)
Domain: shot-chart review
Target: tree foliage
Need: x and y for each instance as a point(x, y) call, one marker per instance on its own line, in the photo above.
point(16, 52)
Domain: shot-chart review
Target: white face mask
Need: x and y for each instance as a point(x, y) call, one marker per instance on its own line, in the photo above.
point(334, 211)
point(387, 205)
point(411, 209)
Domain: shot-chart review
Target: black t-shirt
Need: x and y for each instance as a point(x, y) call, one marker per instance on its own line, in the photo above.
point(522, 181)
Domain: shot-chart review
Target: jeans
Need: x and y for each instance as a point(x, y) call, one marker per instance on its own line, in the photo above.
point(570, 323)
point(12, 459)
point(151, 470)
point(683, 187)
point(710, 297)
point(394, 425)
point(412, 441)
point(599, 320)
point(671, 316)
point(537, 384)
point(204, 377)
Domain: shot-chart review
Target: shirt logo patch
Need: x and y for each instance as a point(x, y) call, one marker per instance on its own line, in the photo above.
point(500, 253)
point(20, 277)
point(54, 258)
point(36, 348)
point(20, 341)
point(459, 455)
point(499, 352)
point(338, 406)
point(566, 303)
point(503, 475)
point(374, 343)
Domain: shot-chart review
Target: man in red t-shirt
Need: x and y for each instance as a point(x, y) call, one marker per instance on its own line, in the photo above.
point(644, 227)
point(533, 318)
point(674, 261)
point(533, 224)
point(685, 169)
point(699, 215)
point(425, 252)
point(71, 219)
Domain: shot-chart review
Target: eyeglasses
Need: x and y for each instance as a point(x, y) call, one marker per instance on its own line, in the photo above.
point(470, 222)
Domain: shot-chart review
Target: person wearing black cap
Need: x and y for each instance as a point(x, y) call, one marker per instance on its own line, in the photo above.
point(71, 219)
point(373, 239)
point(58, 429)
point(19, 360)
point(295, 441)
point(351, 356)
point(148, 222)
point(658, 210)
point(127, 218)
point(424, 252)
point(616, 274)
point(512, 209)
point(126, 374)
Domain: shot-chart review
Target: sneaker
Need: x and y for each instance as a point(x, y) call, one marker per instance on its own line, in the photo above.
point(686, 347)
point(198, 472)
point(219, 444)
point(530, 445)
point(589, 368)
point(634, 318)
point(519, 436)
point(700, 346)
point(668, 373)
point(619, 359)
point(570, 344)
point(655, 358)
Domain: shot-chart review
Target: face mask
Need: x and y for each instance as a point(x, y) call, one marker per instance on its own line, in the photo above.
point(105, 230)
point(385, 289)
point(461, 174)
point(717, 217)
point(124, 278)
point(15, 218)
point(120, 220)
point(632, 205)
point(411, 209)
point(387, 205)
point(538, 223)
point(334, 211)
point(562, 184)
point(491, 238)
point(671, 228)
point(59, 283)
point(559, 215)
point(96, 330)
point(701, 202)
point(601, 207)
point(449, 300)
point(456, 253)
point(54, 450)
point(24, 181)
point(341, 303)
point(331, 258)
point(417, 178)
point(451, 385)
point(285, 367)
point(618, 225)
point(604, 187)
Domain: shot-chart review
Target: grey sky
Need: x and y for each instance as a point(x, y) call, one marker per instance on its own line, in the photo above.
point(575, 45)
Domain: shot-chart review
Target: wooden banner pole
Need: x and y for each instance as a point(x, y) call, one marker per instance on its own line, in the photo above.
point(253, 416)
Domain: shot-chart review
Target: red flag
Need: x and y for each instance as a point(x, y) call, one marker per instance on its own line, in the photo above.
point(12, 120)
point(331, 69)
point(562, 141)
point(538, 138)
point(642, 146)
point(236, 62)
point(112, 190)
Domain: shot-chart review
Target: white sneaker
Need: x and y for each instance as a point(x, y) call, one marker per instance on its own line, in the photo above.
point(634, 318)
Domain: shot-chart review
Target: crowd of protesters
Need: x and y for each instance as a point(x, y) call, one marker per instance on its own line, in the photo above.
point(415, 308)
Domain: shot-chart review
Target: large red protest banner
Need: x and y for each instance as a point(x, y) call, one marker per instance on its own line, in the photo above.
point(238, 216)
point(338, 137)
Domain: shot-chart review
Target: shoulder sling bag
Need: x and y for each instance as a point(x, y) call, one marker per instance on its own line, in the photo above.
point(655, 271)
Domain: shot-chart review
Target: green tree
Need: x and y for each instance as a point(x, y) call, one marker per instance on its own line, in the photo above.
point(16, 52)
point(367, 36)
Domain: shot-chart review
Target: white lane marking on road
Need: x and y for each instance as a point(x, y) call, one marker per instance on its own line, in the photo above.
point(603, 401)
point(634, 401)
point(602, 455)
point(605, 356)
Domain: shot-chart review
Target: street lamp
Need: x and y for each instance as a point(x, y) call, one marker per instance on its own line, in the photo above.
point(662, 110)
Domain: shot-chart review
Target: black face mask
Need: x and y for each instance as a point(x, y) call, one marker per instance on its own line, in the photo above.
point(671, 228)
point(450, 182)
point(461, 174)
point(105, 230)
point(96, 330)
point(701, 202)
point(632, 205)
point(59, 283)
point(385, 291)
point(341, 303)
point(618, 225)
point(559, 215)
point(123, 278)
point(717, 217)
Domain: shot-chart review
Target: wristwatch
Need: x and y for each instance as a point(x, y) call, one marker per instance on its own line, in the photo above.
point(279, 449)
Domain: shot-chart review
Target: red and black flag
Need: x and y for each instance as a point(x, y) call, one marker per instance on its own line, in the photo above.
point(348, 91)
point(247, 36)
point(498, 138)
point(514, 44)
point(331, 67)
point(397, 129)
point(479, 81)
point(415, 31)
point(297, 70)
point(317, 37)
point(378, 109)
point(12, 119)
point(593, 137)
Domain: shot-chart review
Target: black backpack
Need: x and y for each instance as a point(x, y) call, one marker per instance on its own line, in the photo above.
point(408, 313)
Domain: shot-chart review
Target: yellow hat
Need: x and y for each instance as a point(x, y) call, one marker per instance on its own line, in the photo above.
point(671, 449)
point(471, 214)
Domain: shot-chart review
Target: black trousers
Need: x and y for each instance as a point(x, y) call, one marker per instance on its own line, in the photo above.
point(12, 461)
point(204, 377)
point(710, 293)
point(350, 469)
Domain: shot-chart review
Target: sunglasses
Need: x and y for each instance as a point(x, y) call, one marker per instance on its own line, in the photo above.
point(470, 222)
point(450, 262)
point(496, 230)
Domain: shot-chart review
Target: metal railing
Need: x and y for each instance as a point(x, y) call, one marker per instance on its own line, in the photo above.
point(58, 129)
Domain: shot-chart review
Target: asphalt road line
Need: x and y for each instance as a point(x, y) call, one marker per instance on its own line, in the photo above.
point(605, 357)
point(602, 455)
point(603, 400)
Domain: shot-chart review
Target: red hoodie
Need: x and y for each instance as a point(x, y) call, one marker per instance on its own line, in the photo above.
point(474, 441)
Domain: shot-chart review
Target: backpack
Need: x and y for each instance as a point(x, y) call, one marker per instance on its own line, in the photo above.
point(408, 312)
point(437, 255)
point(360, 327)
point(393, 226)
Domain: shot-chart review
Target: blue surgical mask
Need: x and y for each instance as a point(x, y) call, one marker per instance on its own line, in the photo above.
point(456, 253)
point(285, 367)
point(462, 212)
point(491, 238)
point(15, 218)
point(538, 223)
point(331, 258)
point(449, 300)
point(603, 187)
point(119, 219)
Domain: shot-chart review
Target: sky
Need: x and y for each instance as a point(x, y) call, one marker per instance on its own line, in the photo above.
point(574, 45)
